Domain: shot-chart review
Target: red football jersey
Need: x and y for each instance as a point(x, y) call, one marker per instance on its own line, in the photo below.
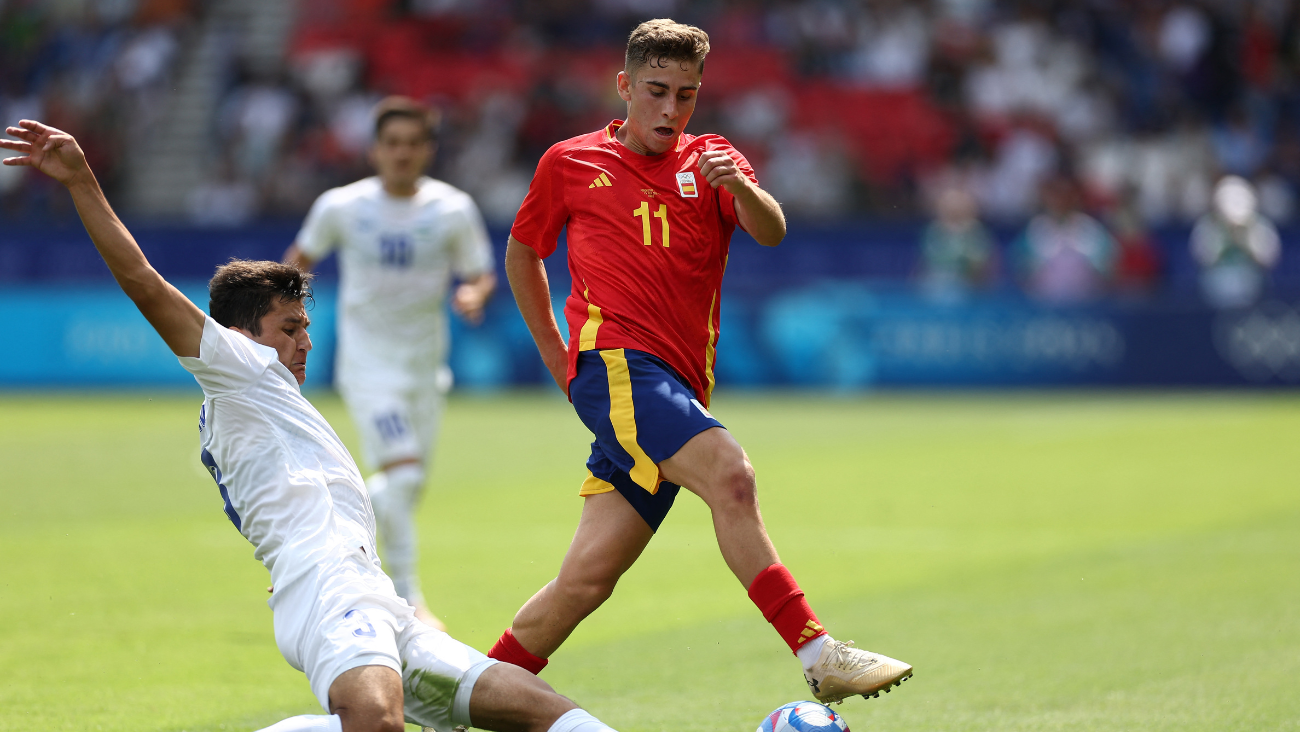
point(647, 241)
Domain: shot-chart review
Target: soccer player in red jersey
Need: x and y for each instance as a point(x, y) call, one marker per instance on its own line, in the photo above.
point(649, 212)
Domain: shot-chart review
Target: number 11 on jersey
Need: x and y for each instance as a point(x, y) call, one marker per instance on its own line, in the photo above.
point(644, 212)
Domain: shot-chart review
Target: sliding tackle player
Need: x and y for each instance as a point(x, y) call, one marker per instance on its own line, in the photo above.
point(290, 487)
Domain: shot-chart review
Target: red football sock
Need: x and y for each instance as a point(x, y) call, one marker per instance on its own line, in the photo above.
point(509, 650)
point(781, 601)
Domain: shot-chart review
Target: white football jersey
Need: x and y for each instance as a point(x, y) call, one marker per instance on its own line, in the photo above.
point(396, 260)
point(289, 485)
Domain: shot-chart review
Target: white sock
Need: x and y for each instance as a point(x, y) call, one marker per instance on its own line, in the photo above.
point(579, 720)
point(307, 723)
point(812, 650)
point(393, 494)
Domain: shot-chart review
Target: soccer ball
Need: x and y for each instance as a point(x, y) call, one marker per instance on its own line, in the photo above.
point(803, 716)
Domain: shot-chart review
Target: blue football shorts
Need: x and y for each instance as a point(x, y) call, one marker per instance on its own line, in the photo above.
point(642, 413)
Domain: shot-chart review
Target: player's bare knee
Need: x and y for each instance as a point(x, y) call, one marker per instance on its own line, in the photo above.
point(377, 718)
point(387, 724)
point(368, 699)
point(737, 484)
point(744, 490)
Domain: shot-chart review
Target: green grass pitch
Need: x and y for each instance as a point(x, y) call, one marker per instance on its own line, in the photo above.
point(1108, 561)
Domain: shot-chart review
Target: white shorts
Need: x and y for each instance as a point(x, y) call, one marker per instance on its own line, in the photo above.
point(397, 419)
point(333, 621)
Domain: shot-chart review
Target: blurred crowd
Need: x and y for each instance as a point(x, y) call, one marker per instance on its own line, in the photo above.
point(1090, 119)
point(1064, 256)
point(100, 68)
point(874, 106)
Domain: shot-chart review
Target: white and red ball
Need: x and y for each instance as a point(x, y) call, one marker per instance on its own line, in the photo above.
point(803, 716)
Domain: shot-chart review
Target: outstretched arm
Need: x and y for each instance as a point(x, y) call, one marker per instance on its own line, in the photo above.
point(56, 154)
point(760, 215)
point(527, 277)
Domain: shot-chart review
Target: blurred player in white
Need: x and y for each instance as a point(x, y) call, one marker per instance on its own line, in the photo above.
point(401, 237)
point(291, 488)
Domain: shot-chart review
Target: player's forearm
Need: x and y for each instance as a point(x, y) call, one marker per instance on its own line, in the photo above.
point(532, 290)
point(760, 215)
point(175, 318)
point(115, 244)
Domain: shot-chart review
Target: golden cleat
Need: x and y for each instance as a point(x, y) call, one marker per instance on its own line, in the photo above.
point(842, 671)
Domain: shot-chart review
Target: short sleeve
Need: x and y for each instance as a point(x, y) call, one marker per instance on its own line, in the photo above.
point(726, 201)
point(319, 233)
point(543, 213)
point(471, 253)
point(228, 361)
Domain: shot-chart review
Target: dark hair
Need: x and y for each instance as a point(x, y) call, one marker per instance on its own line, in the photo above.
point(242, 290)
point(406, 108)
point(664, 39)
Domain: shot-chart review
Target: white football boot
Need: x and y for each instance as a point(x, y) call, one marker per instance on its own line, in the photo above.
point(843, 671)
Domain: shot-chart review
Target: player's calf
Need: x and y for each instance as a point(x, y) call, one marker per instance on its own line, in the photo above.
point(610, 537)
point(584, 585)
point(509, 699)
point(574, 599)
point(713, 465)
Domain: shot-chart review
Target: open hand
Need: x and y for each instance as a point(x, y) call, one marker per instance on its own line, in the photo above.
point(49, 150)
point(719, 169)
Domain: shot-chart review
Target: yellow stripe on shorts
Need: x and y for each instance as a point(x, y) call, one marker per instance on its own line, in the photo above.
point(593, 485)
point(622, 415)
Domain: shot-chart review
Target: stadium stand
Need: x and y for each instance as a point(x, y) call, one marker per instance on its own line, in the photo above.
point(892, 100)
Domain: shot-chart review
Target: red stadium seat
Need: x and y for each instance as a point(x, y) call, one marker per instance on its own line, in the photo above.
point(455, 75)
point(891, 133)
point(742, 69)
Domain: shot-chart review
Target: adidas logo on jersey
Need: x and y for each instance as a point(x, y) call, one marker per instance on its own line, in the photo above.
point(600, 182)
